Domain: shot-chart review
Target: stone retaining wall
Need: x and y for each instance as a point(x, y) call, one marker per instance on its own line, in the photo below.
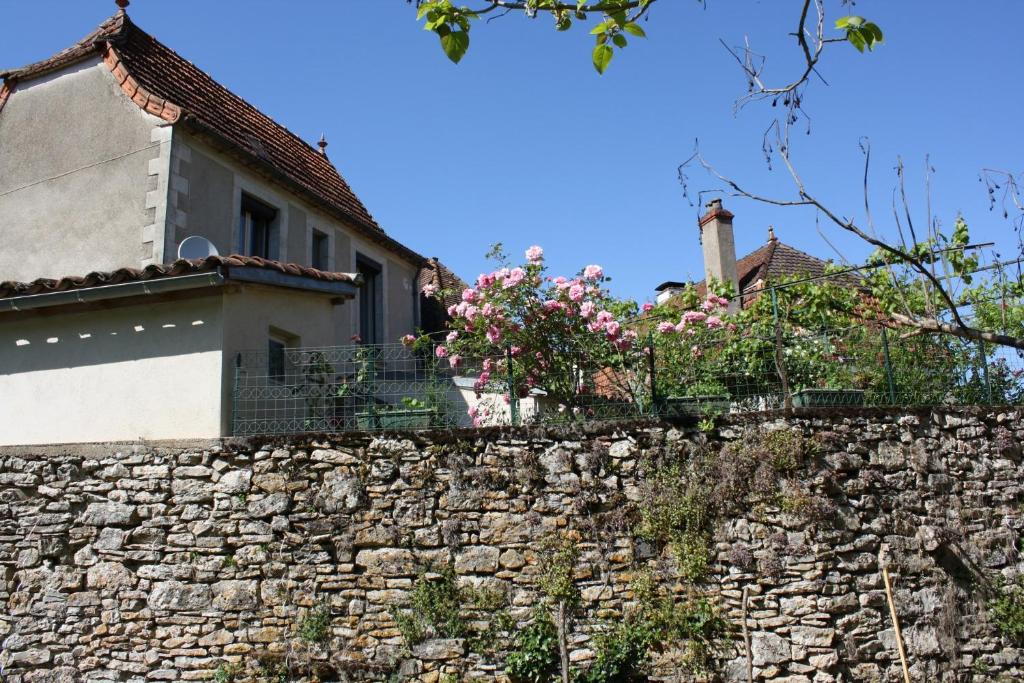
point(162, 562)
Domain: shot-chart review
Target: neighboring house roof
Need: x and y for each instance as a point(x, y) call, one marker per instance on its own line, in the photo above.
point(165, 84)
point(776, 260)
point(433, 311)
point(222, 265)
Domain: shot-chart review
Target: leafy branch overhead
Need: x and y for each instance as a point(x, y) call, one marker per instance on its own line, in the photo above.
point(617, 19)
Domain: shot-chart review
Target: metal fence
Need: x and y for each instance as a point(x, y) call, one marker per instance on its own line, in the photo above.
point(393, 387)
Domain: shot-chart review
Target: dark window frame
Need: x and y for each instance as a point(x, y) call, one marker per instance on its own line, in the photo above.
point(319, 249)
point(259, 232)
point(371, 300)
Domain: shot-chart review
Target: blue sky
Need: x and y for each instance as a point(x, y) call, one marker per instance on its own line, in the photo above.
point(523, 143)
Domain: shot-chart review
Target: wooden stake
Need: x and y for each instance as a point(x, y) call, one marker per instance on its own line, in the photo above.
point(746, 640)
point(896, 625)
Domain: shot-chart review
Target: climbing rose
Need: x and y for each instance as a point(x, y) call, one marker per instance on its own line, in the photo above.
point(613, 329)
point(429, 289)
point(694, 317)
point(408, 340)
point(666, 328)
point(587, 309)
point(576, 293)
point(452, 336)
point(469, 295)
point(455, 361)
point(648, 307)
point(535, 254)
point(593, 272)
point(714, 322)
point(515, 276)
point(441, 352)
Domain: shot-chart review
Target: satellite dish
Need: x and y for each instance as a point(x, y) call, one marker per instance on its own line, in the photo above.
point(196, 247)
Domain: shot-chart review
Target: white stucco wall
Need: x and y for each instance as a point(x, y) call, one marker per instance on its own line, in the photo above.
point(144, 371)
point(81, 167)
point(205, 199)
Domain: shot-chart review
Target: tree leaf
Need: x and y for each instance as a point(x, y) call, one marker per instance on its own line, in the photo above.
point(455, 45)
point(619, 40)
point(634, 30)
point(856, 39)
point(602, 57)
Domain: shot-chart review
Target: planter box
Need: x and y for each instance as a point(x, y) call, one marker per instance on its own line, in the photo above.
point(823, 398)
point(675, 406)
point(412, 418)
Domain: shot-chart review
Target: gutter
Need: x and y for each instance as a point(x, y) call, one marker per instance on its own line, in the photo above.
point(265, 276)
point(106, 292)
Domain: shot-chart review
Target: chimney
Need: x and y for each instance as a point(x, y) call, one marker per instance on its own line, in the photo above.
point(719, 248)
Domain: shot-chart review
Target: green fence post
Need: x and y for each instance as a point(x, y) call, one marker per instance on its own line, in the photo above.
point(513, 393)
point(651, 371)
point(888, 368)
point(780, 366)
point(983, 357)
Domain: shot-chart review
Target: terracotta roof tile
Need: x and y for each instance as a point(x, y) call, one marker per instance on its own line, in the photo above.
point(165, 84)
point(775, 260)
point(157, 271)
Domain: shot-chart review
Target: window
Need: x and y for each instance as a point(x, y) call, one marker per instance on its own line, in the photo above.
point(319, 246)
point(370, 319)
point(278, 344)
point(275, 360)
point(258, 233)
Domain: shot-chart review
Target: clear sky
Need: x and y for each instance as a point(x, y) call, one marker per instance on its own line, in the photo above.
point(523, 143)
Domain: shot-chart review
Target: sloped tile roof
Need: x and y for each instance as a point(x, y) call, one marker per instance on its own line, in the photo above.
point(165, 84)
point(159, 271)
point(775, 260)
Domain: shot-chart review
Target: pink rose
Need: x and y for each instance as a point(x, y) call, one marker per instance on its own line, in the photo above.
point(515, 276)
point(452, 336)
point(612, 329)
point(469, 295)
point(453, 310)
point(429, 290)
point(587, 309)
point(535, 254)
point(666, 328)
point(515, 351)
point(576, 293)
point(647, 308)
point(408, 340)
point(455, 361)
point(553, 305)
point(603, 318)
point(694, 317)
point(714, 322)
point(494, 334)
point(593, 272)
point(441, 352)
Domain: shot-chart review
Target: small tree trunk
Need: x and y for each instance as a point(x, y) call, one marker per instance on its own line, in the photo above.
point(563, 647)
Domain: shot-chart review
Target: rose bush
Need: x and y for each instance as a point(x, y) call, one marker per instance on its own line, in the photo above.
point(552, 333)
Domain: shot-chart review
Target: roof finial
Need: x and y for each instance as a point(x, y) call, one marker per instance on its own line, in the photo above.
point(123, 4)
point(771, 234)
point(322, 144)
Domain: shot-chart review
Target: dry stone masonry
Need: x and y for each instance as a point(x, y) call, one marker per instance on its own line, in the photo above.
point(179, 562)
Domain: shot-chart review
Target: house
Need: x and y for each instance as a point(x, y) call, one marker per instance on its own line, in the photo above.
point(754, 272)
point(112, 152)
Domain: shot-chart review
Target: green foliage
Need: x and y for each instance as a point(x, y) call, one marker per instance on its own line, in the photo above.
point(1006, 610)
point(623, 648)
point(675, 511)
point(316, 626)
point(436, 608)
point(533, 657)
point(559, 554)
point(450, 23)
point(860, 32)
point(227, 673)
